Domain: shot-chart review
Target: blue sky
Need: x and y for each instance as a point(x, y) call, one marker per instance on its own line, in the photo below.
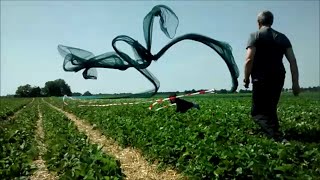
point(32, 30)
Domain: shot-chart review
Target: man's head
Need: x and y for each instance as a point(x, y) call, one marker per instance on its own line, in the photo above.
point(265, 18)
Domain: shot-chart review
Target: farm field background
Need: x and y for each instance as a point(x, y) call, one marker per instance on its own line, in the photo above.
point(218, 141)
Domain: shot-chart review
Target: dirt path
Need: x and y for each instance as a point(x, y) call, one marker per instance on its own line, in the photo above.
point(133, 164)
point(42, 171)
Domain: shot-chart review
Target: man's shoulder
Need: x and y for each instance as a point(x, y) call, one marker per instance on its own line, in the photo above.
point(276, 31)
point(252, 39)
point(259, 33)
point(253, 36)
point(279, 34)
point(281, 37)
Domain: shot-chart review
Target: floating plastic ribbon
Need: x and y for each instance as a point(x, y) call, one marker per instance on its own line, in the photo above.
point(77, 59)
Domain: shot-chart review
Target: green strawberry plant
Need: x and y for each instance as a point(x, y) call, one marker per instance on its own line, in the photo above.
point(18, 147)
point(69, 152)
point(8, 106)
point(218, 142)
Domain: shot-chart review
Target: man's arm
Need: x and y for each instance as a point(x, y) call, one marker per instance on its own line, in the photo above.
point(248, 65)
point(294, 70)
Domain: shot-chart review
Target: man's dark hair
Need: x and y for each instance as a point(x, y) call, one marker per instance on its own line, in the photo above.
point(265, 18)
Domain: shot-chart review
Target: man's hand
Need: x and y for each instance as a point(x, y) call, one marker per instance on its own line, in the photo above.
point(296, 89)
point(248, 65)
point(246, 83)
point(294, 71)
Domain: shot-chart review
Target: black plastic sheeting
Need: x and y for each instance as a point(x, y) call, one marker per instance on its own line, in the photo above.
point(76, 59)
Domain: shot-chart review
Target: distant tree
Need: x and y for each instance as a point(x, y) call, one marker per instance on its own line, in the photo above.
point(64, 87)
point(51, 89)
point(28, 91)
point(87, 93)
point(76, 94)
point(35, 92)
point(24, 91)
point(43, 92)
point(57, 88)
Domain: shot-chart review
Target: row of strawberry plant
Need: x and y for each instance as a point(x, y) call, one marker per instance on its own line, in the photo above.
point(69, 152)
point(301, 118)
point(18, 147)
point(219, 141)
point(8, 106)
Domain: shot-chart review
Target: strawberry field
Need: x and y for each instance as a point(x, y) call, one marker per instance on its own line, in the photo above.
point(69, 152)
point(17, 144)
point(10, 105)
point(218, 141)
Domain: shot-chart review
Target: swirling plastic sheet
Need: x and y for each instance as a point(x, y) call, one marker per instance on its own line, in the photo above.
point(76, 59)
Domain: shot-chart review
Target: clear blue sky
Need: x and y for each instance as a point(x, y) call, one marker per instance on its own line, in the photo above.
point(31, 32)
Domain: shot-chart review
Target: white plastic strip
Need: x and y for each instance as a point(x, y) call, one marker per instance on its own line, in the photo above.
point(160, 101)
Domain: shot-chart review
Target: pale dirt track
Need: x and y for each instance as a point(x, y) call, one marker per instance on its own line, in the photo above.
point(133, 165)
point(42, 171)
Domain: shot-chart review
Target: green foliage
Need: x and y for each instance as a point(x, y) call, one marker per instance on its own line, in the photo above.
point(28, 91)
point(87, 93)
point(17, 145)
point(76, 94)
point(57, 87)
point(71, 155)
point(8, 106)
point(220, 141)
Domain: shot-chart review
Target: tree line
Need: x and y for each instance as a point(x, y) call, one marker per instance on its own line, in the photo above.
point(57, 87)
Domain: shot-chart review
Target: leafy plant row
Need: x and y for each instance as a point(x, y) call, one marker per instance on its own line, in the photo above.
point(18, 147)
point(8, 106)
point(301, 117)
point(219, 141)
point(69, 152)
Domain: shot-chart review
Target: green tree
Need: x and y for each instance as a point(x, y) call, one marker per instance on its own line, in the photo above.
point(24, 91)
point(35, 92)
point(28, 91)
point(57, 88)
point(76, 94)
point(87, 93)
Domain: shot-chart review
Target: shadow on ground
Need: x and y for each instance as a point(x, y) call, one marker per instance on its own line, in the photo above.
point(312, 135)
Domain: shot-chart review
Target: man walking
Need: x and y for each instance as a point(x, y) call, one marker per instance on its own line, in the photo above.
point(265, 50)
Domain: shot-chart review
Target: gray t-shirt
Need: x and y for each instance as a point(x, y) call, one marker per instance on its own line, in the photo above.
point(270, 48)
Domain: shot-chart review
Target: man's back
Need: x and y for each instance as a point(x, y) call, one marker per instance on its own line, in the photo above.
point(270, 49)
point(265, 51)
